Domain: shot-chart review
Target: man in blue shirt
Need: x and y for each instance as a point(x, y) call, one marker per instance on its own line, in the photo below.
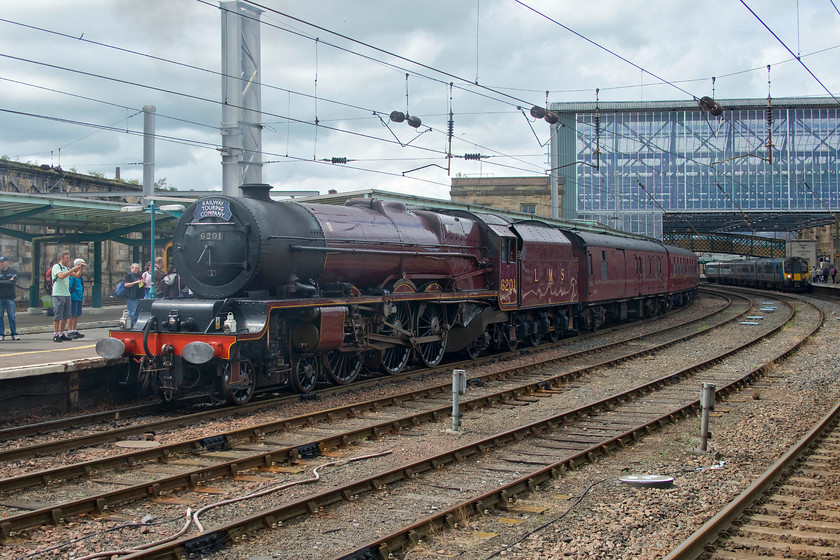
point(7, 298)
point(77, 296)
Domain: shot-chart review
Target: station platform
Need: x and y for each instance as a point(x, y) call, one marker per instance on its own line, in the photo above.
point(37, 354)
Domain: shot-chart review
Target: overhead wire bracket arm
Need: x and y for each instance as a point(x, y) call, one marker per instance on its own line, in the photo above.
point(424, 167)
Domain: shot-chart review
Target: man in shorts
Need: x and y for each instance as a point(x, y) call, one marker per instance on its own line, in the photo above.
point(61, 273)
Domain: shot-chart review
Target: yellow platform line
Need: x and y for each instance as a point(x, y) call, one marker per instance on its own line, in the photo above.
point(3, 354)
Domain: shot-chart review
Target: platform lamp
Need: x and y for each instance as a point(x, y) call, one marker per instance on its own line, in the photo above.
point(152, 207)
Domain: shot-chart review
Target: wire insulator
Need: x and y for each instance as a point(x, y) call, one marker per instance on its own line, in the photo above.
point(450, 127)
point(597, 124)
point(472, 156)
point(338, 160)
point(768, 115)
point(537, 112)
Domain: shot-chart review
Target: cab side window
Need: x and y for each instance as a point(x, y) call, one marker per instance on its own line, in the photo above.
point(508, 250)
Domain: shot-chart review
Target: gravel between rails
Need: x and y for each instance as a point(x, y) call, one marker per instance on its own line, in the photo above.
point(237, 420)
point(461, 543)
point(591, 514)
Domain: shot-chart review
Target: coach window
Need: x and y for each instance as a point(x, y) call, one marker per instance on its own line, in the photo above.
point(604, 267)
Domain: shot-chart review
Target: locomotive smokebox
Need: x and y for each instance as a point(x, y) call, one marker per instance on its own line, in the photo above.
point(225, 246)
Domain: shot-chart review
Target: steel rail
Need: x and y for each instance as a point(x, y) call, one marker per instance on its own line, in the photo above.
point(113, 435)
point(64, 444)
point(499, 497)
point(694, 546)
point(100, 502)
point(349, 410)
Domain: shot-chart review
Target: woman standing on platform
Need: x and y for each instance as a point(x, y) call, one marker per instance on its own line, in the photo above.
point(147, 280)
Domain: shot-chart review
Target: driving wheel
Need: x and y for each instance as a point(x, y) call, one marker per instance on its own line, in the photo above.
point(395, 358)
point(432, 332)
point(343, 367)
point(239, 392)
point(304, 375)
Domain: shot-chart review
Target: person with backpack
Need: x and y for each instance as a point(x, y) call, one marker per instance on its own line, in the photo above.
point(171, 285)
point(48, 285)
point(833, 273)
point(61, 273)
point(159, 275)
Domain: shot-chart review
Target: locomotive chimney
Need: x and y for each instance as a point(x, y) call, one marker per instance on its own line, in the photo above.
point(258, 191)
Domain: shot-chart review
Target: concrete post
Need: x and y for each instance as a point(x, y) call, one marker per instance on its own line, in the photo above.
point(707, 404)
point(459, 387)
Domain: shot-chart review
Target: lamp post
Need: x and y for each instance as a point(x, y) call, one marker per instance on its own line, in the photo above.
point(151, 207)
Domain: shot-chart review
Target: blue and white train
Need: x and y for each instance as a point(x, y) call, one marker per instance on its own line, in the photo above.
point(786, 274)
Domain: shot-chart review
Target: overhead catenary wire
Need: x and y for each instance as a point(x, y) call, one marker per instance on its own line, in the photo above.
point(686, 81)
point(288, 120)
point(195, 97)
point(602, 47)
point(197, 143)
point(511, 99)
point(798, 58)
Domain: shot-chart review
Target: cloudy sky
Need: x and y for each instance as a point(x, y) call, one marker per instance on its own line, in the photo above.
point(75, 76)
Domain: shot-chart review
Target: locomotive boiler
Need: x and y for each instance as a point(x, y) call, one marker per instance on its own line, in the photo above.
point(290, 294)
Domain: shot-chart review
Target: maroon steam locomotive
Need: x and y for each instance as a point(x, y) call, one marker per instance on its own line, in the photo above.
point(290, 294)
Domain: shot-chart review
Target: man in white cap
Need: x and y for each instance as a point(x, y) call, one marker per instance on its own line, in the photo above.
point(77, 296)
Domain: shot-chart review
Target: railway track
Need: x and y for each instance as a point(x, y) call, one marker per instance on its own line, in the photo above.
point(97, 436)
point(487, 445)
point(793, 509)
point(437, 407)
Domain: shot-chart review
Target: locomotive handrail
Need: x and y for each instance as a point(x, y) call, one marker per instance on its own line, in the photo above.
point(303, 248)
point(146, 329)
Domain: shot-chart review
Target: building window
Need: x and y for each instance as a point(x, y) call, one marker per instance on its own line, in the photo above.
point(529, 208)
